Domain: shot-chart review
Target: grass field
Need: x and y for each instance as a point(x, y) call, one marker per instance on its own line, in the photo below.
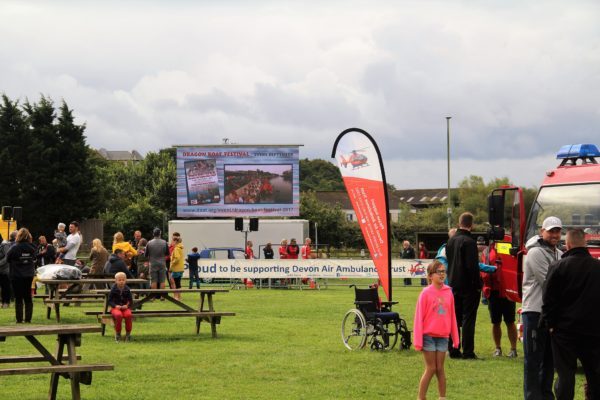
point(283, 344)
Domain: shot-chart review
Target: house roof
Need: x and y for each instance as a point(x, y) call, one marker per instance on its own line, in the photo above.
point(417, 198)
point(120, 155)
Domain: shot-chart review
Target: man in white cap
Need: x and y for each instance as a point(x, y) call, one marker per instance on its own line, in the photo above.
point(539, 369)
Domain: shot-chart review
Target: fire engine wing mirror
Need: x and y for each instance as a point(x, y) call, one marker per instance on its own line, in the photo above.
point(496, 233)
point(496, 209)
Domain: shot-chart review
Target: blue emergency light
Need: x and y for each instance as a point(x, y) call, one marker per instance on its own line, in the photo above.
point(578, 151)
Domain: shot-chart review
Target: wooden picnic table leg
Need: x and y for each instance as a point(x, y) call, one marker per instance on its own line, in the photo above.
point(104, 312)
point(50, 291)
point(200, 308)
point(213, 324)
point(55, 377)
point(75, 376)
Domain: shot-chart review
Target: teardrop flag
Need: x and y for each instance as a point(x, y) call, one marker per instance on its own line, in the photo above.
point(359, 161)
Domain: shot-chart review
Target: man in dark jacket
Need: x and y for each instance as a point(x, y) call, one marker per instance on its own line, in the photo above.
point(46, 254)
point(117, 264)
point(570, 311)
point(463, 267)
point(408, 252)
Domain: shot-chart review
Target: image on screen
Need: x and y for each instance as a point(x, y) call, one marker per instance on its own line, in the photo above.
point(258, 184)
point(202, 182)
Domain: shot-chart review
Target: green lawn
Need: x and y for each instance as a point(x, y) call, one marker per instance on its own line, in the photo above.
point(283, 344)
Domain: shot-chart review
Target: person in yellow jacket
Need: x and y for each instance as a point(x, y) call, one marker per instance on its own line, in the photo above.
point(129, 251)
point(177, 263)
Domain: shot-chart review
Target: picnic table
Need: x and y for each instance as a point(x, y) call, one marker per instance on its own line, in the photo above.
point(205, 311)
point(69, 337)
point(55, 296)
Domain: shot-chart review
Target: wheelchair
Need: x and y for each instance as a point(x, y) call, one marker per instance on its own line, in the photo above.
point(373, 322)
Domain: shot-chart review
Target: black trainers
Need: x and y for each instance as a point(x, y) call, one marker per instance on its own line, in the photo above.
point(128, 337)
point(117, 337)
point(471, 356)
point(454, 353)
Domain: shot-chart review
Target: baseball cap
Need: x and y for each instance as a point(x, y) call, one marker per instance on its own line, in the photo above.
point(551, 223)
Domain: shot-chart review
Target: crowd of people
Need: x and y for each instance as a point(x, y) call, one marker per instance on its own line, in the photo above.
point(560, 294)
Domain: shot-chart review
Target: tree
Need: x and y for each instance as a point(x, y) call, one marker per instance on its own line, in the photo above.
point(142, 193)
point(332, 225)
point(319, 175)
point(47, 163)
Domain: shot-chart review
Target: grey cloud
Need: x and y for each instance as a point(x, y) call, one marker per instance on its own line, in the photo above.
point(291, 108)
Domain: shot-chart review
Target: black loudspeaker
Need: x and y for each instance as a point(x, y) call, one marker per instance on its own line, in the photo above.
point(254, 224)
point(6, 213)
point(239, 224)
point(17, 213)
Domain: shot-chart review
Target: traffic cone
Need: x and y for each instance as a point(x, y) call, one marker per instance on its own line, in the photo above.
point(312, 284)
point(249, 284)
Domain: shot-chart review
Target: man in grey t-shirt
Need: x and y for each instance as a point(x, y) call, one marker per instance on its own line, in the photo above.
point(156, 251)
point(73, 243)
point(542, 251)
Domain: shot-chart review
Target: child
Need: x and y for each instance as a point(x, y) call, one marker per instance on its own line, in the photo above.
point(61, 241)
point(435, 321)
point(192, 260)
point(120, 301)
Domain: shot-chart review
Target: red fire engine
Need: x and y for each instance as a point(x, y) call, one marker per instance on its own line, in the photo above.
point(570, 192)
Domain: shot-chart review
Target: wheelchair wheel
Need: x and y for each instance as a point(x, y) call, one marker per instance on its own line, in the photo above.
point(354, 330)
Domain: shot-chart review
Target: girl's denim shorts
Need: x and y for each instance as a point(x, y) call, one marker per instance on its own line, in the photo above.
point(431, 343)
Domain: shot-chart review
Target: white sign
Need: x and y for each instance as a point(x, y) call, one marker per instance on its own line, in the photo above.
point(314, 268)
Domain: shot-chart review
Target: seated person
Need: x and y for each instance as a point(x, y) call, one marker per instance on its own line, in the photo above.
point(120, 301)
point(116, 263)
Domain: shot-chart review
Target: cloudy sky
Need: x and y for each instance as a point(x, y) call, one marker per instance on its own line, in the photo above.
point(519, 78)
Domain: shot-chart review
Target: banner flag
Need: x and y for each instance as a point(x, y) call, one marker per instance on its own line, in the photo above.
point(359, 161)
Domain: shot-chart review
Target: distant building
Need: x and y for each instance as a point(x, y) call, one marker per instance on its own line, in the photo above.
point(121, 155)
point(416, 199)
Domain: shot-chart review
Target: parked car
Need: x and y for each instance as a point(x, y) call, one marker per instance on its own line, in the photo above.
point(221, 253)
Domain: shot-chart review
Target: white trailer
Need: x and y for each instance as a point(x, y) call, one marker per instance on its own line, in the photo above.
point(221, 233)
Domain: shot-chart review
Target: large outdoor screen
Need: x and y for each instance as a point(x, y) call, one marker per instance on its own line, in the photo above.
point(237, 181)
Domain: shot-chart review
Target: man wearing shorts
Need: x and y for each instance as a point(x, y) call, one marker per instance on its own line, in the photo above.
point(156, 251)
point(499, 307)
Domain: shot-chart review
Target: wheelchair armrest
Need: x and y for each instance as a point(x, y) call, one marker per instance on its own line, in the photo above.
point(388, 303)
point(359, 302)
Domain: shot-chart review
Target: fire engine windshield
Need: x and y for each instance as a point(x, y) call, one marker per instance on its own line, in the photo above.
point(577, 206)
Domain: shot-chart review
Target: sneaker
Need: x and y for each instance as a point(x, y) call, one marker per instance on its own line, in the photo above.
point(512, 354)
point(454, 353)
point(471, 356)
point(128, 337)
point(117, 337)
point(498, 352)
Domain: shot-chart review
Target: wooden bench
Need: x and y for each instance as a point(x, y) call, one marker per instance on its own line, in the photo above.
point(213, 317)
point(36, 358)
point(59, 369)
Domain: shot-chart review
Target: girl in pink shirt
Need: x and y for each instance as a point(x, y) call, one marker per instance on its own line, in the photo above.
point(435, 321)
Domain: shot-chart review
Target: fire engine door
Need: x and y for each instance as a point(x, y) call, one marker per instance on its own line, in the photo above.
point(507, 229)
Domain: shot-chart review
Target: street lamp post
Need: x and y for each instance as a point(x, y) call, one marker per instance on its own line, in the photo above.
point(449, 210)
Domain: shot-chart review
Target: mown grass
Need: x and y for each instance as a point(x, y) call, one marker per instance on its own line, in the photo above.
point(283, 344)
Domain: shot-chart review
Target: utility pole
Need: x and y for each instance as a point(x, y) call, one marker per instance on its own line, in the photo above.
point(449, 210)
